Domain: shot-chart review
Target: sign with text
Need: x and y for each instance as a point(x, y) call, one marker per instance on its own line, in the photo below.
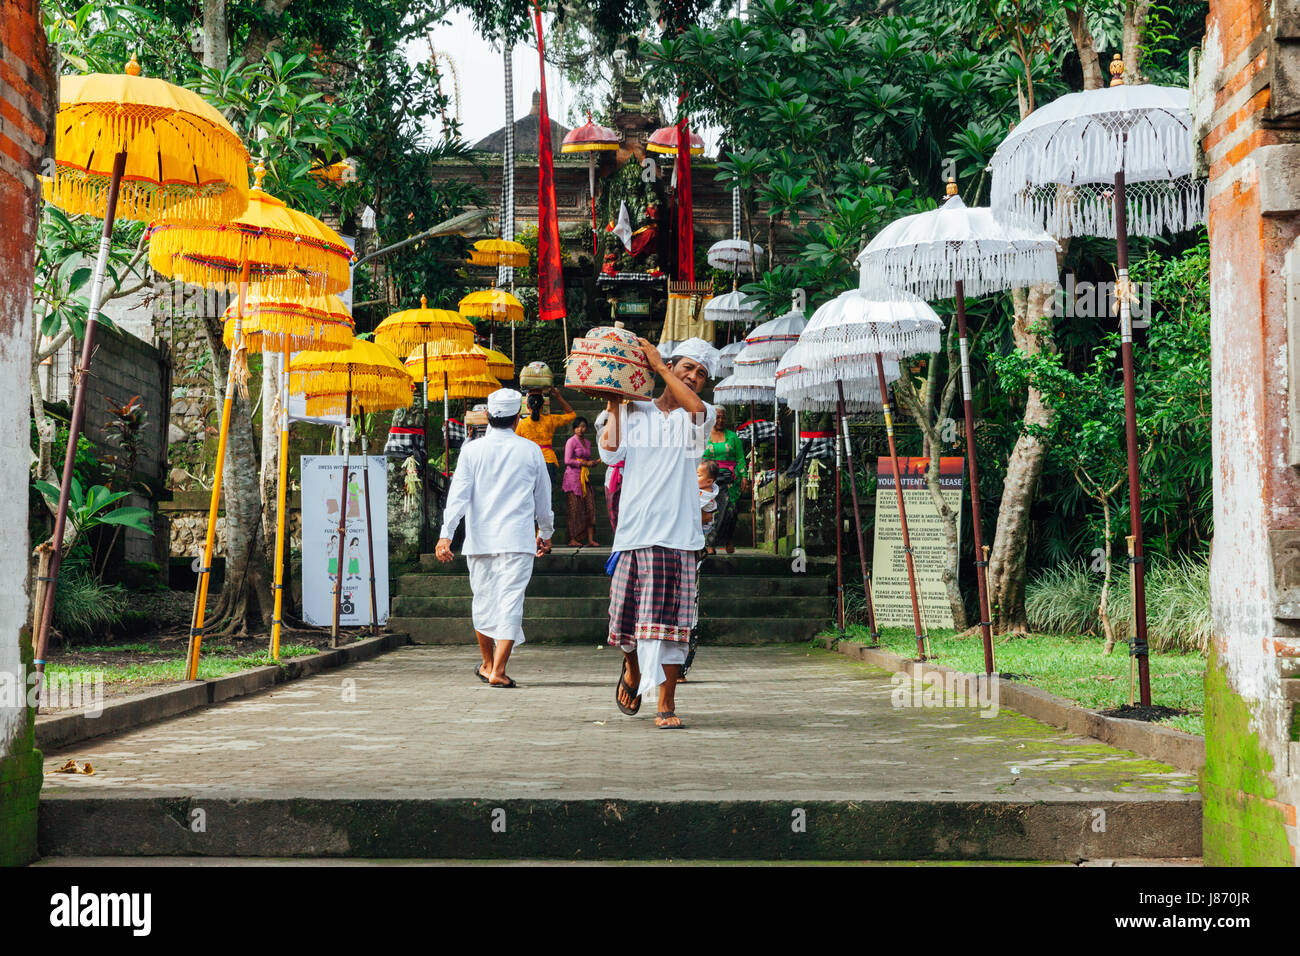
point(323, 493)
point(889, 584)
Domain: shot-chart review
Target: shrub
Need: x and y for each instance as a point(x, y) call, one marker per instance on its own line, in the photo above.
point(1065, 599)
point(84, 605)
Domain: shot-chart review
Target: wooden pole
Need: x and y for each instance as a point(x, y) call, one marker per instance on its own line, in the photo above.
point(281, 511)
point(902, 508)
point(370, 531)
point(839, 529)
point(74, 423)
point(209, 540)
point(1130, 431)
point(343, 516)
point(843, 422)
point(981, 576)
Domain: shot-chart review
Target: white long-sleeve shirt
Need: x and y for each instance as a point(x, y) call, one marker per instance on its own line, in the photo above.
point(660, 503)
point(502, 490)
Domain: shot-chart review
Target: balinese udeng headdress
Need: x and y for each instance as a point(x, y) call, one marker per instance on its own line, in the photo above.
point(698, 350)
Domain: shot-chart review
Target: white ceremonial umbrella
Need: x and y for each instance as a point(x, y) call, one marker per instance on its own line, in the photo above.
point(774, 338)
point(754, 382)
point(732, 255)
point(727, 357)
point(952, 252)
point(851, 335)
point(731, 306)
point(1109, 162)
point(818, 389)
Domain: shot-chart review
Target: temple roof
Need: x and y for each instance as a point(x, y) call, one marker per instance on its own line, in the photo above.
point(526, 134)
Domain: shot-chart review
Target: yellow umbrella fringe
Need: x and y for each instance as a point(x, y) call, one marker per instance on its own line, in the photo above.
point(403, 339)
point(333, 404)
point(319, 336)
point(514, 260)
point(367, 379)
point(279, 266)
point(78, 194)
point(203, 164)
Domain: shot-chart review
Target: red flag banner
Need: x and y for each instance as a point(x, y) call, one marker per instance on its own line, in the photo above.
point(685, 212)
point(550, 277)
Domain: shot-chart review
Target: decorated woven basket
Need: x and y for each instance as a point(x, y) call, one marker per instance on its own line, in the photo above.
point(536, 375)
point(609, 363)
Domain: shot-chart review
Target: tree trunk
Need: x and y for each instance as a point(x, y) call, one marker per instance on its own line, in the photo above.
point(216, 35)
point(1103, 608)
point(1009, 555)
point(1135, 29)
point(244, 603)
point(1093, 77)
point(260, 39)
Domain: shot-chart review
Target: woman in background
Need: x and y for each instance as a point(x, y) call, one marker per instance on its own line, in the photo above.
point(725, 448)
point(577, 486)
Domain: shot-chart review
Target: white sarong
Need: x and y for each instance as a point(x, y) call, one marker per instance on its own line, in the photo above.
point(652, 655)
point(498, 582)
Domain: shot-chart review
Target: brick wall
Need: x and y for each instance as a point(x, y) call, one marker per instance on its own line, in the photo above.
point(27, 96)
point(1246, 107)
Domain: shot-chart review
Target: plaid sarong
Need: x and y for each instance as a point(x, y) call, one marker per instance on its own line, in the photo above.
point(403, 442)
point(758, 429)
point(456, 433)
point(652, 597)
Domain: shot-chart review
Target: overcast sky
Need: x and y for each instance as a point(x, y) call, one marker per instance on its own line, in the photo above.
point(482, 83)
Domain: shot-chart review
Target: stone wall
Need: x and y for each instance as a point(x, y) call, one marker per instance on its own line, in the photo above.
point(1247, 103)
point(27, 99)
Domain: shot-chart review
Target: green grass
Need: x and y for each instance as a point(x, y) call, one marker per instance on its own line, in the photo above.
point(1069, 666)
point(211, 665)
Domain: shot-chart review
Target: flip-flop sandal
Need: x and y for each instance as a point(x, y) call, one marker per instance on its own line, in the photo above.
point(625, 686)
point(509, 685)
point(478, 672)
point(664, 715)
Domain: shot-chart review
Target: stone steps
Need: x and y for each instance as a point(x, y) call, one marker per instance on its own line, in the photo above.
point(545, 585)
point(594, 629)
point(745, 598)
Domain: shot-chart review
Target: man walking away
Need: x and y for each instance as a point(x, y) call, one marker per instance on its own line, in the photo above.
point(502, 489)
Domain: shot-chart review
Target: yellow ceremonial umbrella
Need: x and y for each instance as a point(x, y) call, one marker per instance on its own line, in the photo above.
point(499, 364)
point(424, 327)
point(285, 325)
point(498, 252)
point(366, 376)
point(495, 304)
point(478, 385)
point(139, 148)
point(279, 252)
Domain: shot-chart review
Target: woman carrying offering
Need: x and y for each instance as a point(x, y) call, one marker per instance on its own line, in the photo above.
point(540, 428)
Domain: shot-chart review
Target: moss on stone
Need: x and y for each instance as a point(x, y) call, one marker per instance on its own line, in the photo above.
point(1241, 825)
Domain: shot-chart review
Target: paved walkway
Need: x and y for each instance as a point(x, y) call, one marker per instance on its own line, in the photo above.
point(763, 724)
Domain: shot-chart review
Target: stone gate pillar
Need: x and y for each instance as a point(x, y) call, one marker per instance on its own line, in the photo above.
point(1248, 106)
point(27, 96)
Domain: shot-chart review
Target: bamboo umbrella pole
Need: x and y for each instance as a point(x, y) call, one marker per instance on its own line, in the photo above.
point(78, 417)
point(902, 509)
point(281, 515)
point(428, 447)
point(842, 422)
point(1140, 650)
point(209, 541)
point(969, 410)
point(839, 529)
point(343, 515)
point(753, 476)
point(370, 530)
point(776, 476)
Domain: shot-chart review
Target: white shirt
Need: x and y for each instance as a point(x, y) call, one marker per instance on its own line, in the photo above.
point(660, 503)
point(502, 489)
